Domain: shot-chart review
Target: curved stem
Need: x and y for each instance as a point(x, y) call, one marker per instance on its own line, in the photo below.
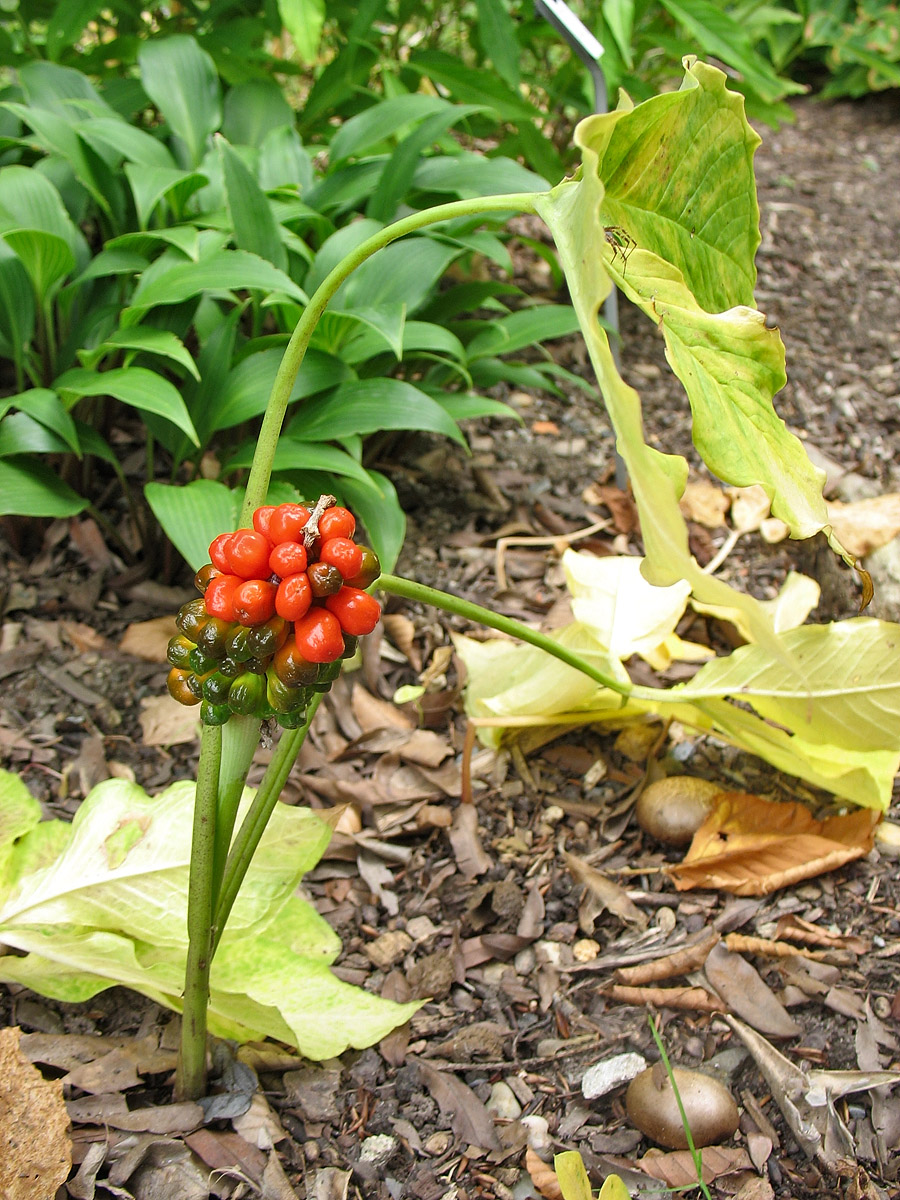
point(191, 1069)
point(474, 612)
point(254, 824)
point(258, 483)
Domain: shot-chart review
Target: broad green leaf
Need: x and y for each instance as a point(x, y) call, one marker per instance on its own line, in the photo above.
point(32, 490)
point(46, 257)
point(185, 238)
point(619, 16)
point(135, 386)
point(193, 515)
point(29, 201)
point(465, 407)
point(402, 273)
point(468, 175)
point(45, 407)
point(245, 391)
point(540, 323)
point(284, 161)
point(376, 504)
point(401, 166)
point(223, 271)
point(417, 336)
point(19, 434)
point(336, 247)
point(294, 455)
point(303, 19)
point(114, 261)
point(360, 134)
point(19, 811)
point(472, 86)
point(181, 80)
point(129, 141)
point(150, 185)
point(16, 304)
point(253, 110)
point(386, 323)
point(255, 227)
point(497, 34)
point(146, 339)
point(369, 406)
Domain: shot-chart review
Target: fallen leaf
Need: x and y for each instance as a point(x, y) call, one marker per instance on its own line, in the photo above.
point(749, 507)
point(751, 847)
point(610, 895)
point(149, 640)
point(795, 929)
point(402, 632)
point(83, 637)
point(704, 503)
point(543, 1176)
point(111, 1072)
point(676, 1168)
point(471, 857)
point(35, 1151)
point(864, 525)
point(746, 993)
point(372, 713)
point(259, 1125)
point(470, 1120)
point(165, 722)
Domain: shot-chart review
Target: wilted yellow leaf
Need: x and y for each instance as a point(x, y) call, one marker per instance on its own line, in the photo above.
point(751, 847)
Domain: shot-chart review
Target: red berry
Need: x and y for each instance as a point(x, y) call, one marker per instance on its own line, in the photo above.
point(336, 522)
point(293, 598)
point(340, 552)
point(248, 554)
point(286, 523)
point(217, 552)
point(319, 636)
point(254, 602)
point(219, 596)
point(357, 611)
point(288, 558)
point(262, 517)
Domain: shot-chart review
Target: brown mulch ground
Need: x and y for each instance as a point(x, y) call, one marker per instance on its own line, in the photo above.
point(517, 964)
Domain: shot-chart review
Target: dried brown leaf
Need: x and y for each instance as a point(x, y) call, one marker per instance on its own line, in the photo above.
point(470, 1120)
point(372, 713)
point(864, 525)
point(751, 847)
point(542, 1176)
point(692, 999)
point(746, 993)
point(705, 503)
point(402, 632)
point(610, 894)
point(795, 929)
point(676, 1168)
point(165, 722)
point(35, 1151)
point(83, 637)
point(471, 856)
point(149, 640)
point(688, 958)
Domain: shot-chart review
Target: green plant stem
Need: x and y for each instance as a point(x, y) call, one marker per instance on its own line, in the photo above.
point(240, 737)
point(261, 470)
point(696, 1155)
point(254, 824)
point(191, 1070)
point(483, 616)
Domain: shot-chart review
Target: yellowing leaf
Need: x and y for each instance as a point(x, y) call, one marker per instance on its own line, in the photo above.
point(751, 847)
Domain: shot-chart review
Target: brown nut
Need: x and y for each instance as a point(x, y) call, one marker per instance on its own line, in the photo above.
point(673, 809)
point(653, 1109)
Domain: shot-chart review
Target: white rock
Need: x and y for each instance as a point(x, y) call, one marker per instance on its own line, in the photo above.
point(538, 1132)
point(378, 1149)
point(609, 1074)
point(502, 1102)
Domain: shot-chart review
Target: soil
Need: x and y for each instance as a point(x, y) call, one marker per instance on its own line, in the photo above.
point(517, 967)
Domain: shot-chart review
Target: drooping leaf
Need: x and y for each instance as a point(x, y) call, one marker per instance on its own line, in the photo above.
point(497, 34)
point(244, 392)
point(45, 407)
point(254, 109)
point(30, 489)
point(255, 227)
point(374, 125)
point(541, 323)
point(146, 340)
point(136, 386)
point(151, 184)
point(16, 304)
point(367, 406)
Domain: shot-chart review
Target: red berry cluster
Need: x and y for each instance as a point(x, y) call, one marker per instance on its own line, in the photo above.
point(282, 604)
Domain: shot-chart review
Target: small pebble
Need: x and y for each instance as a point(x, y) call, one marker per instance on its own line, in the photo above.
point(665, 919)
point(609, 1074)
point(538, 1132)
point(585, 950)
point(581, 830)
point(438, 1143)
point(553, 814)
point(378, 1149)
point(389, 948)
point(502, 1102)
point(525, 961)
point(882, 1007)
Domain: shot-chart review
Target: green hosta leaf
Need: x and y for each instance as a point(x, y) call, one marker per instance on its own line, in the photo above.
point(150, 185)
point(46, 257)
point(468, 175)
point(111, 908)
point(144, 339)
point(16, 304)
point(417, 336)
point(67, 22)
point(193, 515)
point(376, 504)
point(472, 86)
point(303, 19)
point(182, 82)
point(284, 161)
point(523, 328)
point(186, 238)
point(32, 490)
point(223, 271)
point(465, 407)
point(497, 34)
point(403, 273)
point(19, 434)
point(365, 131)
point(255, 227)
point(368, 406)
point(127, 141)
point(29, 201)
point(135, 386)
point(244, 393)
point(253, 110)
point(294, 455)
point(386, 323)
point(45, 407)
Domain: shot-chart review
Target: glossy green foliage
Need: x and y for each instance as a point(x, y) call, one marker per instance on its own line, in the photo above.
point(154, 261)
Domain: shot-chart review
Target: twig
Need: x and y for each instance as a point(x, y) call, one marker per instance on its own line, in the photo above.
point(557, 539)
